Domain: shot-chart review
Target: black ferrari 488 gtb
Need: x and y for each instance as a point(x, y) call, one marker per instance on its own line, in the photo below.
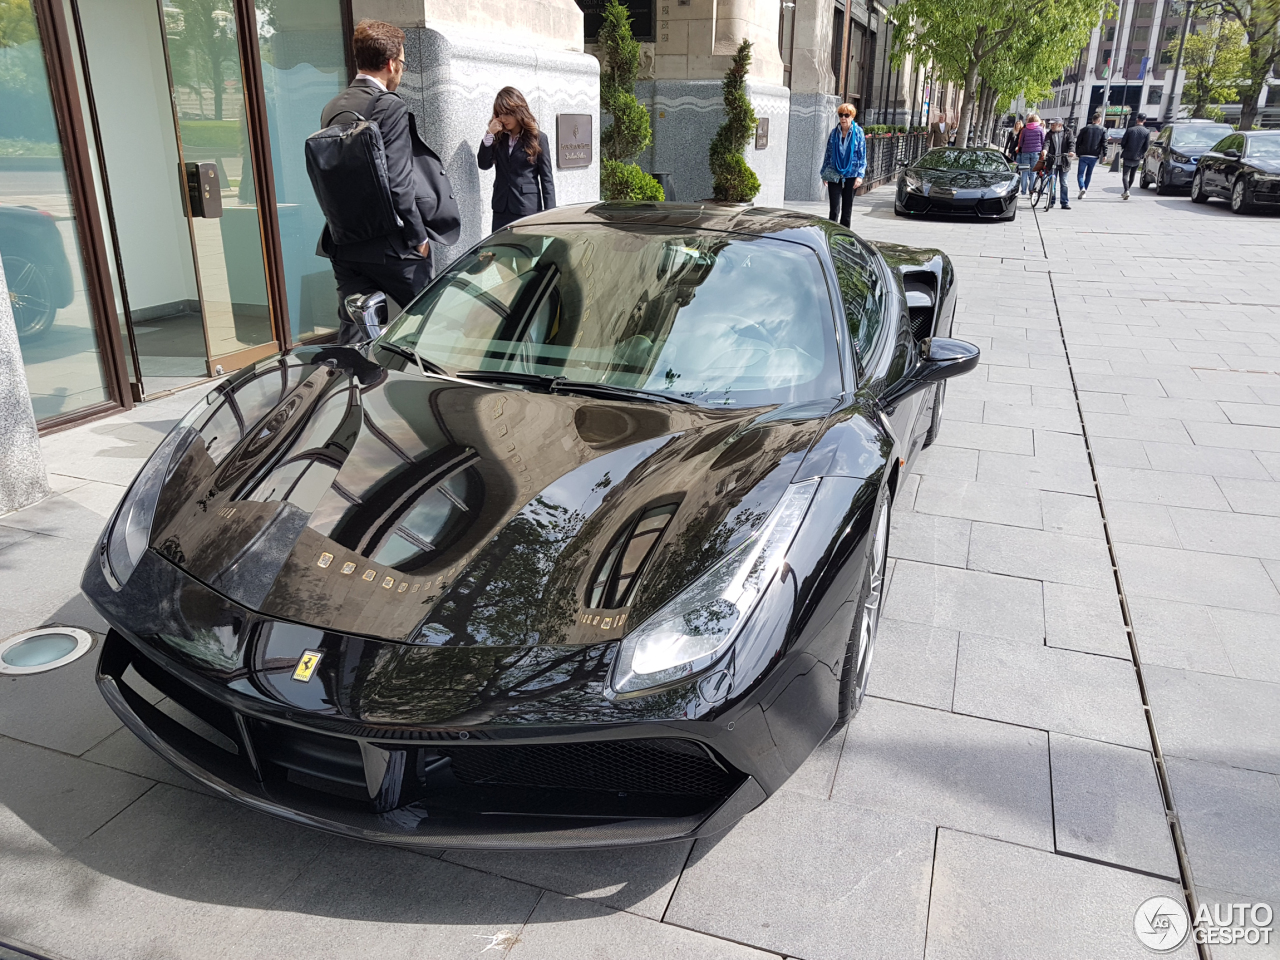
point(586, 548)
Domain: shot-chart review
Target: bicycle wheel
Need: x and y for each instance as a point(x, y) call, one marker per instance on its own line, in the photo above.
point(1037, 189)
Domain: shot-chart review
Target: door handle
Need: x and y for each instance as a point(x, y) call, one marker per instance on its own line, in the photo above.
point(204, 193)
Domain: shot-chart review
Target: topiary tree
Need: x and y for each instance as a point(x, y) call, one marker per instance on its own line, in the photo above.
point(734, 180)
point(628, 132)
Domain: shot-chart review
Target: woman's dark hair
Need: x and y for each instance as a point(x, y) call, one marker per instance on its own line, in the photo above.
point(375, 43)
point(510, 102)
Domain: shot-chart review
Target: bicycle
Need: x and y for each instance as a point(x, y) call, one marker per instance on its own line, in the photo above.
point(1044, 181)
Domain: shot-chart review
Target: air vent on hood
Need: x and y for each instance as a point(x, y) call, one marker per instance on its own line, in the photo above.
point(626, 558)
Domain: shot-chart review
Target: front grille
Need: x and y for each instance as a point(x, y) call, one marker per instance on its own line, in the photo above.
point(665, 766)
point(990, 208)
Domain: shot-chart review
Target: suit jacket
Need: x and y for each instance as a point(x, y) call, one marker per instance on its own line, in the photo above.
point(420, 189)
point(519, 187)
point(939, 137)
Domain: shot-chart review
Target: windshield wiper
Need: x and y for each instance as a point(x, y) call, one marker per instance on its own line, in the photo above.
point(565, 385)
point(423, 363)
point(609, 391)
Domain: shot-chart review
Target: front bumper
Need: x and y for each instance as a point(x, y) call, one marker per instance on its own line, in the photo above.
point(391, 742)
point(1181, 174)
point(984, 208)
point(247, 764)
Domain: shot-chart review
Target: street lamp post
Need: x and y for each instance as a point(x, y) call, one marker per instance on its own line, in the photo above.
point(1175, 94)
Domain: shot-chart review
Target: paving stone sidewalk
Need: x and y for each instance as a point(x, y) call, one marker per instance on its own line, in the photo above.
point(997, 796)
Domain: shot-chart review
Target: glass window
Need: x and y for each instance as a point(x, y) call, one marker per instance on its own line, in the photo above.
point(710, 317)
point(208, 91)
point(1140, 35)
point(39, 242)
point(303, 68)
point(862, 292)
point(946, 158)
point(1199, 136)
point(1263, 148)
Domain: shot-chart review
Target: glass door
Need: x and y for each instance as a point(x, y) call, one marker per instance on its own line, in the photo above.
point(206, 79)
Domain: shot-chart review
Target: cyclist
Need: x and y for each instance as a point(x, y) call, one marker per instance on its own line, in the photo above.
point(1059, 149)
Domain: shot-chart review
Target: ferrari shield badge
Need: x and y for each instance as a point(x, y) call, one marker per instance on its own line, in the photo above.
point(307, 664)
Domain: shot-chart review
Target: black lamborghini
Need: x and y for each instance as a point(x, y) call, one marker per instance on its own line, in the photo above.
point(586, 548)
point(947, 181)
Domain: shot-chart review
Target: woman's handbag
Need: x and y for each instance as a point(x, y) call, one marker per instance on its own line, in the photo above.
point(830, 174)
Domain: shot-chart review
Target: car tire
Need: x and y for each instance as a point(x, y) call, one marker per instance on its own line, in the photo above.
point(862, 638)
point(1197, 189)
point(1162, 183)
point(935, 416)
point(1240, 196)
point(31, 295)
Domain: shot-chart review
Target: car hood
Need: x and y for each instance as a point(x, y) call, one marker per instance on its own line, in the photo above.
point(394, 505)
point(1266, 166)
point(961, 180)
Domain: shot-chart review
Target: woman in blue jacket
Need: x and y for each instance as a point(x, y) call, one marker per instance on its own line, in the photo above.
point(844, 163)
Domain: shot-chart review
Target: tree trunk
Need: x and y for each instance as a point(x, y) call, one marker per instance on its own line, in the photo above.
point(1249, 100)
point(967, 112)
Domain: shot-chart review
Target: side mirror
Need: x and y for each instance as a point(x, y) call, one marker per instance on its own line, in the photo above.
point(941, 358)
point(368, 311)
point(1231, 154)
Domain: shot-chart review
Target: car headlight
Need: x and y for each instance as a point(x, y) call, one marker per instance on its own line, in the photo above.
point(914, 183)
point(1177, 157)
point(690, 632)
point(1266, 177)
point(129, 530)
point(1007, 187)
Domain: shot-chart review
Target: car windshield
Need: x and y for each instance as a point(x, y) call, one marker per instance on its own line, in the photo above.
point(983, 161)
point(714, 318)
point(1199, 136)
point(1263, 148)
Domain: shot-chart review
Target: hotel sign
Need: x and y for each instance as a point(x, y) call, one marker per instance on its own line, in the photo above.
point(573, 140)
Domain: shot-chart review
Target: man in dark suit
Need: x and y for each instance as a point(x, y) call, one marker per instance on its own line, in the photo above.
point(399, 263)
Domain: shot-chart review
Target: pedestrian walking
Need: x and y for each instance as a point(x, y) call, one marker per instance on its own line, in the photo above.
point(1089, 148)
point(1133, 147)
point(939, 133)
point(844, 164)
point(1059, 149)
point(1011, 141)
point(1030, 145)
point(391, 254)
point(521, 157)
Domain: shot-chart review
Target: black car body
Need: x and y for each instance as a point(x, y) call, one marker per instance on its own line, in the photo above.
point(1244, 169)
point(1170, 161)
point(947, 181)
point(36, 268)
point(421, 608)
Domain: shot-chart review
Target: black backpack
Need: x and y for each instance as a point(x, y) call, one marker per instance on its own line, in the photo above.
point(347, 164)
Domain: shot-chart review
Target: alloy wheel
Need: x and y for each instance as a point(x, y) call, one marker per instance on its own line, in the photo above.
point(1197, 188)
point(1239, 203)
point(869, 620)
point(29, 295)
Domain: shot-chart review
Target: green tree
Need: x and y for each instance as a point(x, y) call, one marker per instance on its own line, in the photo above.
point(17, 23)
point(974, 40)
point(1214, 61)
point(1260, 22)
point(734, 180)
point(628, 131)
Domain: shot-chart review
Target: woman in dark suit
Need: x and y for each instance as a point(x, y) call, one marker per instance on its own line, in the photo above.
point(522, 182)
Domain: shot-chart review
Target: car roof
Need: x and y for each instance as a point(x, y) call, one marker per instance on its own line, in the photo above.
point(729, 218)
point(1250, 134)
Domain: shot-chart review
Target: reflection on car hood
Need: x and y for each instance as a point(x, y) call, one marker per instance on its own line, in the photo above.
point(442, 512)
point(963, 179)
point(1266, 165)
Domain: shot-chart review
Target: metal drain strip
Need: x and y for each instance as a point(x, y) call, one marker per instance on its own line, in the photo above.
point(1162, 774)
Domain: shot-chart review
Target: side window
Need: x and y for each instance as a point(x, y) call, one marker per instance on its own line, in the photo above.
point(862, 292)
point(1165, 135)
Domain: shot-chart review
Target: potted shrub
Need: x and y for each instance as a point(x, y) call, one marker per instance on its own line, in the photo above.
point(735, 182)
point(628, 132)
